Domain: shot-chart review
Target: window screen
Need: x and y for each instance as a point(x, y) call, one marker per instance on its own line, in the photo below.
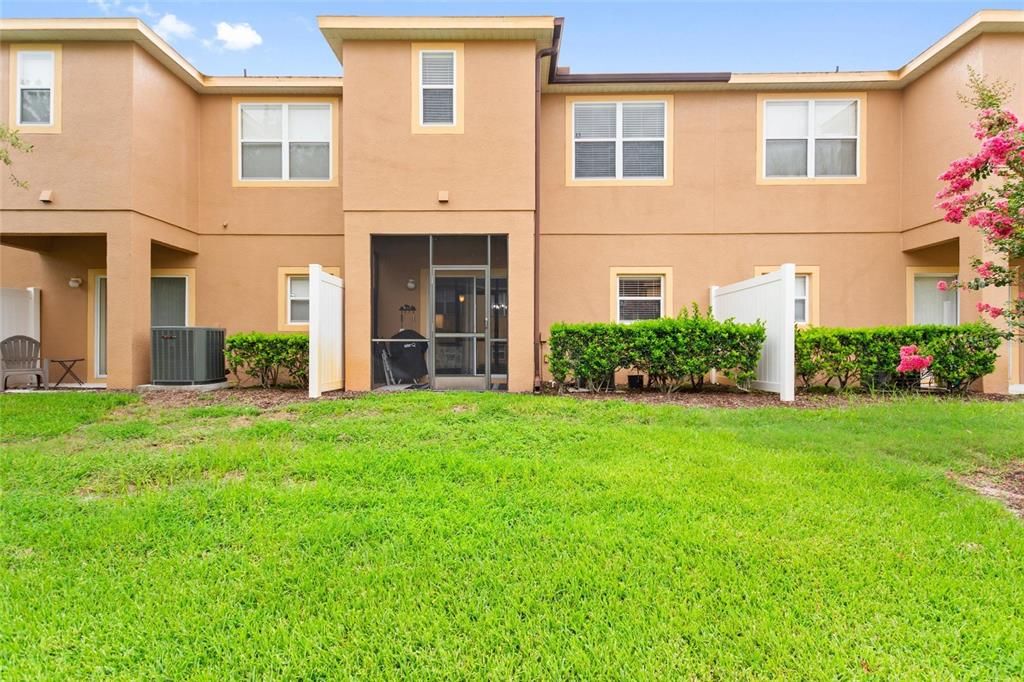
point(437, 87)
point(640, 298)
point(811, 138)
point(617, 140)
point(285, 141)
point(35, 87)
point(298, 299)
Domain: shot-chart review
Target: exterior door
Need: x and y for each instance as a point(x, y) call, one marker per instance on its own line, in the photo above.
point(459, 327)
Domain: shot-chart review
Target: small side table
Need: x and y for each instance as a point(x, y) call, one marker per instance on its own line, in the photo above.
point(69, 368)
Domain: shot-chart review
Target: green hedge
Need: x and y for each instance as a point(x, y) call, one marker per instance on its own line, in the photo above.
point(673, 352)
point(869, 356)
point(265, 356)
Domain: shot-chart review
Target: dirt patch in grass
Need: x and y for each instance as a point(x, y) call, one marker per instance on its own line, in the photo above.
point(262, 398)
point(731, 397)
point(1005, 484)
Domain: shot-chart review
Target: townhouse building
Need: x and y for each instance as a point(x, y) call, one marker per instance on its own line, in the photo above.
point(471, 189)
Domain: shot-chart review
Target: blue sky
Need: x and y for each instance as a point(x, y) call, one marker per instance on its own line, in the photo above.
point(281, 38)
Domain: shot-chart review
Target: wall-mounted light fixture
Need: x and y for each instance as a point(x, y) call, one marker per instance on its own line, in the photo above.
point(75, 282)
point(411, 284)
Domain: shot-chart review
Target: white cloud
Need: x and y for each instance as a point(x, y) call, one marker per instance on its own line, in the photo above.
point(143, 10)
point(240, 36)
point(106, 6)
point(171, 26)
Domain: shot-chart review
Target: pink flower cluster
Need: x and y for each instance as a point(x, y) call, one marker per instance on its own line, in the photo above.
point(942, 285)
point(985, 269)
point(993, 310)
point(911, 361)
point(995, 224)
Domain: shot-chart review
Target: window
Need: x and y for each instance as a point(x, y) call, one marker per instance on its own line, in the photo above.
point(806, 296)
point(298, 299)
point(293, 296)
point(280, 142)
point(802, 300)
point(619, 140)
point(928, 303)
point(35, 95)
point(640, 297)
point(437, 88)
point(815, 138)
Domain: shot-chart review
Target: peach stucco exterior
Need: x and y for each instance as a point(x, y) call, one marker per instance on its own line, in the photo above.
point(143, 179)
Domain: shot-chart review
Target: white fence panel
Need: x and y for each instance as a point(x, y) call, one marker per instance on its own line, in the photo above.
point(768, 298)
point(325, 332)
point(19, 312)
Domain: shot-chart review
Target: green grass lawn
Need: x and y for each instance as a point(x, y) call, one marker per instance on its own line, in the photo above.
point(468, 535)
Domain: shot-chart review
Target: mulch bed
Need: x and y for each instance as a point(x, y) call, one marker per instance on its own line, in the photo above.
point(262, 398)
point(1005, 484)
point(730, 397)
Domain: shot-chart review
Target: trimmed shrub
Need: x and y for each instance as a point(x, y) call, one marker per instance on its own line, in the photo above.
point(869, 356)
point(263, 356)
point(673, 352)
point(588, 354)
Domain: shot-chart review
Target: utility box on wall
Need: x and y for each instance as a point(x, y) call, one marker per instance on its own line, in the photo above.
point(187, 355)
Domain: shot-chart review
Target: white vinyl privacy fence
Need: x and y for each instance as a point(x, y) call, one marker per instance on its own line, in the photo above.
point(19, 312)
point(325, 332)
point(768, 298)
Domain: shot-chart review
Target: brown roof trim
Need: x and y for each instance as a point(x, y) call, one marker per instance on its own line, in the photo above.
point(556, 78)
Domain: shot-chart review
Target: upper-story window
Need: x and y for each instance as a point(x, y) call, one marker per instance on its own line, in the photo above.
point(437, 87)
point(285, 142)
point(811, 138)
point(37, 100)
point(619, 140)
point(438, 97)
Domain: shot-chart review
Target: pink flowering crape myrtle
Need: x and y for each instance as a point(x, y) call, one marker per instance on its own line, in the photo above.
point(911, 361)
point(986, 189)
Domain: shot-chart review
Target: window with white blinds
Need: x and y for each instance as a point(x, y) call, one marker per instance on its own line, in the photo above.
point(640, 297)
point(618, 140)
point(285, 141)
point(298, 299)
point(811, 138)
point(437, 87)
point(36, 76)
point(802, 299)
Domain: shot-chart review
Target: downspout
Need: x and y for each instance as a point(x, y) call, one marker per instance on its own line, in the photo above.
point(537, 355)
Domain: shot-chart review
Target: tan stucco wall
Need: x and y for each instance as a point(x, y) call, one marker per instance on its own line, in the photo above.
point(165, 143)
point(88, 165)
point(488, 167)
point(714, 189)
point(237, 276)
point(254, 210)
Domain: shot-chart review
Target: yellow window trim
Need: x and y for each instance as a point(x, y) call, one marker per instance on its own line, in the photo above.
point(616, 271)
point(914, 270)
point(862, 138)
point(460, 90)
point(90, 317)
point(55, 124)
point(813, 273)
point(666, 181)
point(282, 294)
point(236, 171)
